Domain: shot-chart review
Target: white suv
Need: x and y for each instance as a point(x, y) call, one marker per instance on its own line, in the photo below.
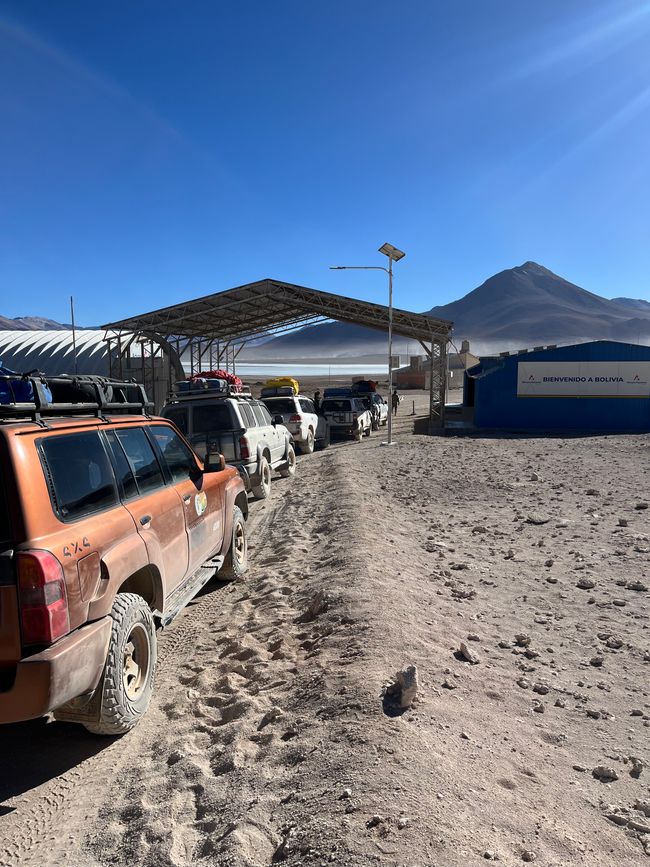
point(347, 416)
point(308, 429)
point(238, 427)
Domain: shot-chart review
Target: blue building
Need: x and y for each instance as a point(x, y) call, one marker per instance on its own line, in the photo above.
point(598, 386)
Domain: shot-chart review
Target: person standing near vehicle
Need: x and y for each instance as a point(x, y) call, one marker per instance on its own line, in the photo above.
point(395, 401)
point(317, 402)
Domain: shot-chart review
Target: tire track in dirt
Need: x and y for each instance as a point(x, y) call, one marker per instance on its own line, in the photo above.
point(206, 790)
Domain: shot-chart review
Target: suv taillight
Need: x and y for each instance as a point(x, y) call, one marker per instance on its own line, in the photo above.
point(295, 418)
point(43, 601)
point(244, 450)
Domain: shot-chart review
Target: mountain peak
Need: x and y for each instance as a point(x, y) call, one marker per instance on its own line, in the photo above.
point(533, 267)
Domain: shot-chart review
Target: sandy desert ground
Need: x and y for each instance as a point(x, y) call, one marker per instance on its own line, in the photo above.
point(514, 573)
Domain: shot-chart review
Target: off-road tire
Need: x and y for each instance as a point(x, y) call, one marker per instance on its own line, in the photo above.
point(375, 423)
point(307, 447)
point(118, 710)
point(368, 431)
point(263, 490)
point(357, 436)
point(235, 565)
point(290, 469)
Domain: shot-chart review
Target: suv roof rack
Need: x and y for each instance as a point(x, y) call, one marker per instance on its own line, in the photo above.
point(207, 388)
point(34, 395)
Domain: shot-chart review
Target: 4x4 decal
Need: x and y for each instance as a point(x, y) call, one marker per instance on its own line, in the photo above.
point(75, 547)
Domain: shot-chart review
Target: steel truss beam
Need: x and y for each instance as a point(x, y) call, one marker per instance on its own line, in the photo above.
point(215, 328)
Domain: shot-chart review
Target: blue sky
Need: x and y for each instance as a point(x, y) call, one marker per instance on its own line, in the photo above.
point(152, 152)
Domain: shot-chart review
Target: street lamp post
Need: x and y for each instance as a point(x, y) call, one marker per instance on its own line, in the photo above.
point(394, 255)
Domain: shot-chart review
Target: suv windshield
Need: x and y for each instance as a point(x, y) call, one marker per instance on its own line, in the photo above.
point(336, 405)
point(282, 405)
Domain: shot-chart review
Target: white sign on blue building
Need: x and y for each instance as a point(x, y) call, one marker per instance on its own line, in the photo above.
point(583, 379)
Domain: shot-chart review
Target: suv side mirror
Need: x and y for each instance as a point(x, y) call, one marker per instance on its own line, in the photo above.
point(277, 419)
point(214, 463)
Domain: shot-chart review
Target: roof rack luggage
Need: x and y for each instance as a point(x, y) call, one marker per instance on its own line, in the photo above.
point(33, 395)
point(207, 388)
point(339, 391)
point(277, 391)
point(283, 382)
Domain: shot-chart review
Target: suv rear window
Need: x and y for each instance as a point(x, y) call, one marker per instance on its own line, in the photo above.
point(281, 405)
point(336, 405)
point(81, 474)
point(179, 417)
point(211, 417)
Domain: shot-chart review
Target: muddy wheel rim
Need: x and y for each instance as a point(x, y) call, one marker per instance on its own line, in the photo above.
point(135, 668)
point(239, 543)
point(266, 476)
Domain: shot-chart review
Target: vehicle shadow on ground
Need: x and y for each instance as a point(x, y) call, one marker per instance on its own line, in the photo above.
point(34, 752)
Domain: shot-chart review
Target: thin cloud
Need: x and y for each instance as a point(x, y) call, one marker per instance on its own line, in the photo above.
point(594, 40)
point(83, 73)
point(109, 89)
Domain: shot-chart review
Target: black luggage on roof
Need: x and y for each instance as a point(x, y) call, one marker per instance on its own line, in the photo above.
point(33, 395)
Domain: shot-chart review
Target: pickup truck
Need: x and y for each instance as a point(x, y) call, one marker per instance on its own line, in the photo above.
point(347, 416)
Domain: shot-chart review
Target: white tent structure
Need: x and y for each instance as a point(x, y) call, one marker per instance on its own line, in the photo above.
point(52, 352)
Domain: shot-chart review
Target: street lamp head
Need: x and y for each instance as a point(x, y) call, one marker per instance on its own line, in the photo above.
point(392, 252)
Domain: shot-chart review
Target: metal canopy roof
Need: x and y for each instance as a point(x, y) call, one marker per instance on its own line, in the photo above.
point(274, 307)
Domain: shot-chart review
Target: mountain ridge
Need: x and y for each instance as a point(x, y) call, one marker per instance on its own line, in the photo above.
point(32, 323)
point(517, 307)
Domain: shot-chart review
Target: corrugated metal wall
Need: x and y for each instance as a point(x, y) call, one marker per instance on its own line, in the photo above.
point(496, 404)
point(52, 352)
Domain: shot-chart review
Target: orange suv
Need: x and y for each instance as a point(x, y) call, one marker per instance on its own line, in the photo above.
point(108, 520)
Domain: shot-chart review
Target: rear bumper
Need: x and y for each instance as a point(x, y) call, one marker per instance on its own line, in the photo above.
point(344, 429)
point(45, 681)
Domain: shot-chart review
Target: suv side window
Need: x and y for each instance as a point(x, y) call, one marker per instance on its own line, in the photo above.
point(247, 415)
point(261, 414)
point(125, 477)
point(306, 405)
point(179, 458)
point(81, 474)
point(141, 458)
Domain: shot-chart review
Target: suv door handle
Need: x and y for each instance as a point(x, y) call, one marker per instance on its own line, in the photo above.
point(145, 519)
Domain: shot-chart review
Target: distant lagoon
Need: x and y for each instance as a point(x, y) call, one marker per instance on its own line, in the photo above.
point(287, 368)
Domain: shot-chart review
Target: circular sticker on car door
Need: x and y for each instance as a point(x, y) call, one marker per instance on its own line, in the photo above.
point(201, 503)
